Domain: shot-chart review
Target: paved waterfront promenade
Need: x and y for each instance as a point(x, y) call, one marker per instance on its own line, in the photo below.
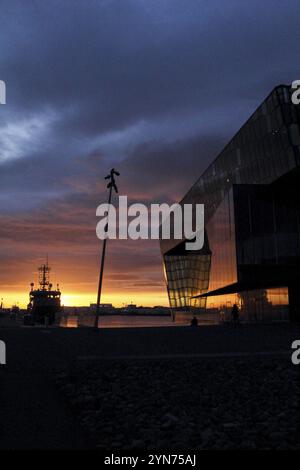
point(35, 413)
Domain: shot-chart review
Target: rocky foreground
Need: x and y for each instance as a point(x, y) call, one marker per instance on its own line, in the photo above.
point(230, 403)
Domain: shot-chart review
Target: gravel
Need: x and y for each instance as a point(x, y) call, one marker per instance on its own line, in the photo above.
point(183, 404)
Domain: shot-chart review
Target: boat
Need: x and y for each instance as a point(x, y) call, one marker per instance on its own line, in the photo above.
point(44, 302)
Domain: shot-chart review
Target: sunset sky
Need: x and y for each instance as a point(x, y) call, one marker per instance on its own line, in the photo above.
point(154, 88)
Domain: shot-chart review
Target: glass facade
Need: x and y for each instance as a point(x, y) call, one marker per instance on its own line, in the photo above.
point(267, 225)
point(221, 236)
point(255, 305)
point(265, 148)
point(252, 220)
point(265, 304)
point(187, 276)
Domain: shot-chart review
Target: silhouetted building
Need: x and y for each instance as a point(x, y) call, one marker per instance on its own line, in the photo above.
point(250, 192)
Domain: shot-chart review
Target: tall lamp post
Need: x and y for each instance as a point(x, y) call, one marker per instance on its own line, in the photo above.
point(111, 185)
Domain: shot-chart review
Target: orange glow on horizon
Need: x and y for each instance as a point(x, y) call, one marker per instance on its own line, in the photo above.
point(74, 299)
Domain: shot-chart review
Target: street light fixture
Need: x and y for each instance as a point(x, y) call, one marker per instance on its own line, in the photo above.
point(111, 185)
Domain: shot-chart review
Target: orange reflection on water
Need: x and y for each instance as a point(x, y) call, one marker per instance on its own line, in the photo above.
point(117, 321)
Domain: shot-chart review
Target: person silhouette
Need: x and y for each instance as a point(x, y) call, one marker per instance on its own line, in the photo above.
point(194, 321)
point(235, 315)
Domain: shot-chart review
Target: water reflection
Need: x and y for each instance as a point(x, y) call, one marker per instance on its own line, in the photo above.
point(116, 321)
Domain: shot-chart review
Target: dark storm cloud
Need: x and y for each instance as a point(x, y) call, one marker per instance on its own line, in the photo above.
point(153, 87)
point(113, 72)
point(106, 65)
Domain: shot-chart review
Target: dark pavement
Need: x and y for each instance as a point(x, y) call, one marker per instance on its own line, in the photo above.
point(34, 416)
